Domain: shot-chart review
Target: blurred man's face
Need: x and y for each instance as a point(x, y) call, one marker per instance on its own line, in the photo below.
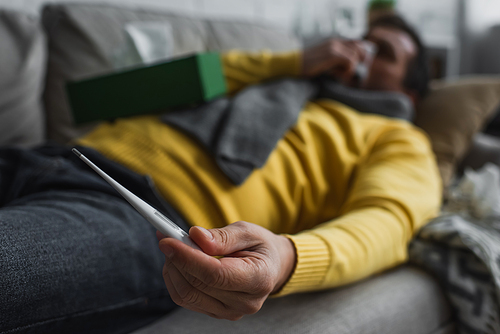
point(396, 50)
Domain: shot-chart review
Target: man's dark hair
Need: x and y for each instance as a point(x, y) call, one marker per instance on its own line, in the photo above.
point(417, 75)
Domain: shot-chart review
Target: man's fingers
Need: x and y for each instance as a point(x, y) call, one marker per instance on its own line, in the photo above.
point(195, 297)
point(227, 240)
point(337, 57)
point(160, 235)
point(240, 302)
point(229, 273)
point(176, 297)
point(204, 267)
point(340, 59)
point(348, 55)
point(184, 294)
point(361, 51)
point(357, 49)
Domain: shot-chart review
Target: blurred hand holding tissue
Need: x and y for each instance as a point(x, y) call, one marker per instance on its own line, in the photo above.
point(145, 43)
point(478, 193)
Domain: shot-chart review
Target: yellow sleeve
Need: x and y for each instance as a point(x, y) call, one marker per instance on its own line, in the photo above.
point(395, 190)
point(242, 68)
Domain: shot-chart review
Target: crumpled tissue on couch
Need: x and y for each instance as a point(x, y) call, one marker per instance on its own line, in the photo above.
point(462, 249)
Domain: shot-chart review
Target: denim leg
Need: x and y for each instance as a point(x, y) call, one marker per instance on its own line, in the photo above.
point(74, 256)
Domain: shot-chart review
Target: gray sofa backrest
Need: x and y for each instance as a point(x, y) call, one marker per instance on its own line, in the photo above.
point(84, 37)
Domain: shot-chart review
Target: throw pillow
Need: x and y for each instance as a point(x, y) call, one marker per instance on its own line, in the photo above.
point(453, 113)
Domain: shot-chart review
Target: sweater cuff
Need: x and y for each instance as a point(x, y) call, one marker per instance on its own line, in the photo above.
point(285, 64)
point(313, 261)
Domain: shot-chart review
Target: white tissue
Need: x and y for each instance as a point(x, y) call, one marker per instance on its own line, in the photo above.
point(477, 193)
point(145, 43)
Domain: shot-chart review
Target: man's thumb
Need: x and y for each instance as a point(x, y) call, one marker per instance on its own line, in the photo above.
point(223, 241)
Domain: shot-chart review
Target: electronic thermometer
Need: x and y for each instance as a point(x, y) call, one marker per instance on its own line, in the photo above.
point(156, 218)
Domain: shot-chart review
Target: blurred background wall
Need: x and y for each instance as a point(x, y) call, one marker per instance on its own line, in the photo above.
point(463, 35)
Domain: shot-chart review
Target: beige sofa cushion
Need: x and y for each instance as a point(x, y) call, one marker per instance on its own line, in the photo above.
point(453, 113)
point(84, 37)
point(22, 70)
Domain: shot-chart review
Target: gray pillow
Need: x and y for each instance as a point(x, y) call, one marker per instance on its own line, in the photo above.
point(22, 69)
point(84, 37)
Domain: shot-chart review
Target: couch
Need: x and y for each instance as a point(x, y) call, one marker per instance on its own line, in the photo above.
point(73, 41)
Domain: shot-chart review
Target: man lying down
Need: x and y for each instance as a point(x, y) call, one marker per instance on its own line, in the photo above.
point(336, 199)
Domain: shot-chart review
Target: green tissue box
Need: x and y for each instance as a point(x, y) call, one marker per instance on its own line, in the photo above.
point(147, 90)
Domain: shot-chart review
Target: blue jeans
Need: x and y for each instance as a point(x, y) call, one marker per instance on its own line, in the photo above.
point(75, 257)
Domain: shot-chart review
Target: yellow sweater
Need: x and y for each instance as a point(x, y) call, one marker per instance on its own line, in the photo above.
point(348, 189)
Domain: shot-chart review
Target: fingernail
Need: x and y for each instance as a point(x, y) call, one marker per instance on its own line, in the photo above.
point(206, 232)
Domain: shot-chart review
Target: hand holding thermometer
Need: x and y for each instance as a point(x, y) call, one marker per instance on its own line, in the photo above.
point(159, 221)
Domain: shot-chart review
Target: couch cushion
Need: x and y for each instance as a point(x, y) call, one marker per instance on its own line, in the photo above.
point(453, 113)
point(403, 300)
point(22, 69)
point(84, 37)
